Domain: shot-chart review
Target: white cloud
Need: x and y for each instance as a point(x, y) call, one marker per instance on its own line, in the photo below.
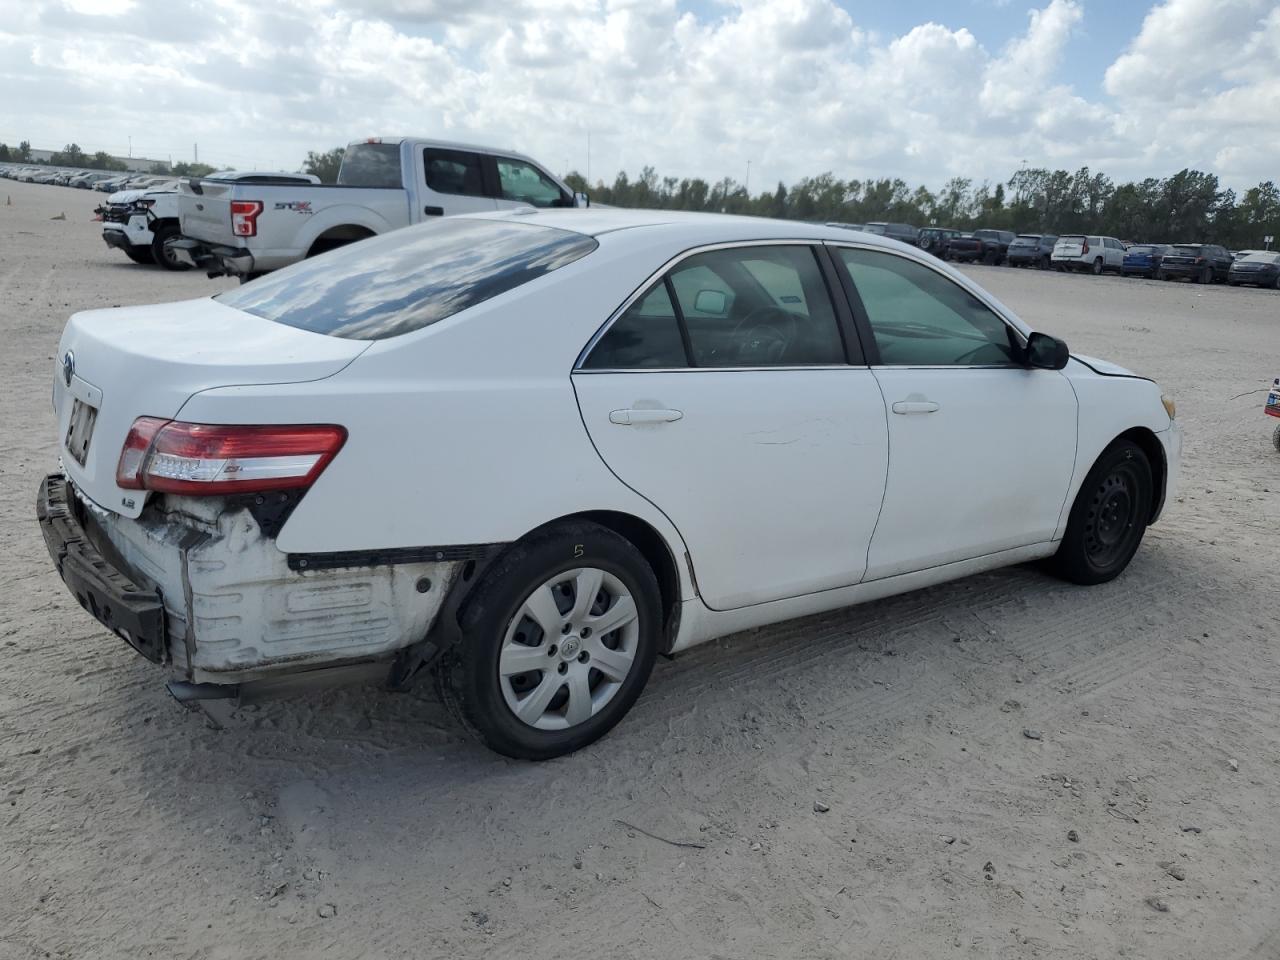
point(795, 86)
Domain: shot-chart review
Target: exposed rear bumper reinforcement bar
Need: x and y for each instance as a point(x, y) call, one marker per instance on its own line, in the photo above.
point(216, 260)
point(255, 691)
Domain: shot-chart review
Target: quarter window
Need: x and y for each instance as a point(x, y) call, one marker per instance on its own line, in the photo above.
point(454, 171)
point(526, 183)
point(920, 318)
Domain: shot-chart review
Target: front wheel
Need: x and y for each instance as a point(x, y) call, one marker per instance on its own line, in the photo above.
point(139, 254)
point(1109, 517)
point(559, 638)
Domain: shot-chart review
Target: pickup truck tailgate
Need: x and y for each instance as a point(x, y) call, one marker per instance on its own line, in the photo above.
point(204, 208)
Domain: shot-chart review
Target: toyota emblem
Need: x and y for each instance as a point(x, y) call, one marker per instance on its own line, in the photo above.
point(68, 367)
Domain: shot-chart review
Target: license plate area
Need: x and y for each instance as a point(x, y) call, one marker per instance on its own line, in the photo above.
point(80, 430)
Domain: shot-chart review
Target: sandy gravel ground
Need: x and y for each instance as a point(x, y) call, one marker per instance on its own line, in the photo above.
point(360, 824)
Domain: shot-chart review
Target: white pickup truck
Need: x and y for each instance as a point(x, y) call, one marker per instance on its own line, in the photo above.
point(384, 183)
point(143, 222)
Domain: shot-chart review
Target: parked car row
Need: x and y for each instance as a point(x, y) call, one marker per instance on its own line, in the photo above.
point(107, 181)
point(1089, 253)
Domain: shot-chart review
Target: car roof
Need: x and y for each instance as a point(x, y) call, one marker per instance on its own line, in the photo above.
point(682, 225)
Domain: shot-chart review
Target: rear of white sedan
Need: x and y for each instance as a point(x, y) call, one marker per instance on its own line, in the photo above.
point(532, 451)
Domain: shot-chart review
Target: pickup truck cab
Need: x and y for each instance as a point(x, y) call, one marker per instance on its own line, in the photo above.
point(383, 184)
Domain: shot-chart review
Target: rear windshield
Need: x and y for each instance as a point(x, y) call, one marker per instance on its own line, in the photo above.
point(876, 228)
point(1188, 249)
point(1023, 239)
point(1142, 248)
point(1260, 258)
point(371, 165)
point(408, 279)
point(1072, 238)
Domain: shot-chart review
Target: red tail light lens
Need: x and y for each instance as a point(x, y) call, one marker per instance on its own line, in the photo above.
point(201, 459)
point(244, 217)
point(1084, 248)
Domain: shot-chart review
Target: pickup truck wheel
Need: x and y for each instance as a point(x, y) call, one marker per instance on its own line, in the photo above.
point(559, 638)
point(1097, 267)
point(139, 254)
point(163, 256)
point(1109, 517)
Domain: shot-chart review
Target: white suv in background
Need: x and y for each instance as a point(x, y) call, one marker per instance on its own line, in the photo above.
point(1075, 251)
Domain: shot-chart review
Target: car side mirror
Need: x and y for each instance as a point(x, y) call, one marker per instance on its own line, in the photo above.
point(581, 200)
point(712, 302)
point(1046, 353)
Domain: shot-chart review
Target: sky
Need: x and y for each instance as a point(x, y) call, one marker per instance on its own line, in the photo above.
point(775, 89)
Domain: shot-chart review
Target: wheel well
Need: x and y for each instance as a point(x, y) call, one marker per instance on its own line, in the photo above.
point(1154, 450)
point(658, 555)
point(336, 237)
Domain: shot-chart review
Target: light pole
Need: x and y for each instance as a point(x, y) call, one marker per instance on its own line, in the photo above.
point(747, 186)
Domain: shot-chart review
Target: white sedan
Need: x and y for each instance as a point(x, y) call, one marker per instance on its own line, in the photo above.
point(529, 451)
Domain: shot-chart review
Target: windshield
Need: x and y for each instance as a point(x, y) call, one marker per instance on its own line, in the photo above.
point(408, 279)
point(371, 165)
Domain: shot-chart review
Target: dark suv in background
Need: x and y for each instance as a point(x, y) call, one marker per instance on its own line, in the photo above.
point(986, 246)
point(1031, 250)
point(1201, 262)
point(937, 240)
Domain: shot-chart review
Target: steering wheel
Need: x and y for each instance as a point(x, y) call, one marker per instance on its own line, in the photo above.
point(765, 333)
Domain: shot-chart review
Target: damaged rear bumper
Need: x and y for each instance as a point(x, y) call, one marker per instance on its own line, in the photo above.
point(195, 583)
point(216, 260)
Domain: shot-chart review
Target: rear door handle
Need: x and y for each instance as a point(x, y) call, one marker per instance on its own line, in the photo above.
point(628, 418)
point(915, 406)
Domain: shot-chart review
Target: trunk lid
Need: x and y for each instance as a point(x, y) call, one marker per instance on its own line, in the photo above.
point(148, 361)
point(206, 215)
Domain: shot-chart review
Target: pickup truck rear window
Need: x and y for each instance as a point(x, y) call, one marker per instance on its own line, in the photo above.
point(371, 165)
point(408, 279)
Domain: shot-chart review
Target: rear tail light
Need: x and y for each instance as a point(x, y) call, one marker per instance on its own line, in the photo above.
point(244, 217)
point(1084, 248)
point(201, 459)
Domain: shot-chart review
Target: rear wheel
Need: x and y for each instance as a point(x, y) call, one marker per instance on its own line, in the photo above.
point(1043, 263)
point(1206, 275)
point(139, 254)
point(1109, 517)
point(1097, 267)
point(559, 638)
point(164, 256)
point(1275, 437)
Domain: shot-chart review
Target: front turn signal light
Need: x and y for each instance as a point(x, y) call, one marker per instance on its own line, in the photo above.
point(1170, 407)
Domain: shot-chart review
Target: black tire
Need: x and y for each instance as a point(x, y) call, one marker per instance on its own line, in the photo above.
point(467, 677)
point(1109, 517)
point(1043, 263)
point(139, 254)
point(1206, 276)
point(1097, 268)
point(166, 258)
point(1275, 437)
point(1276, 285)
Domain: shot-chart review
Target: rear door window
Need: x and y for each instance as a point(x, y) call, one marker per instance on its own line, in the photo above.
point(458, 172)
point(408, 279)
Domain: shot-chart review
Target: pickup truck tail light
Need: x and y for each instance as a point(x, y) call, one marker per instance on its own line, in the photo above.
point(244, 217)
point(201, 459)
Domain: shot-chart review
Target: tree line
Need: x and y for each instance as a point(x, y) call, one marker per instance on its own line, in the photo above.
point(1189, 206)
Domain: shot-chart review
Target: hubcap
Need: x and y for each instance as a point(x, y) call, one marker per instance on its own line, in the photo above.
point(568, 649)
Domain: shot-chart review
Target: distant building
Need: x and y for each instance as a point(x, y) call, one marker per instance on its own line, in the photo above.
point(132, 164)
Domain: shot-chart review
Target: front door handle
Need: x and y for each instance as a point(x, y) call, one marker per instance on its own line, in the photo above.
point(629, 418)
point(915, 406)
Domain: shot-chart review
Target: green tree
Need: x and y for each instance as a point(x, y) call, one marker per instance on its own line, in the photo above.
point(324, 165)
point(4, 153)
point(24, 151)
